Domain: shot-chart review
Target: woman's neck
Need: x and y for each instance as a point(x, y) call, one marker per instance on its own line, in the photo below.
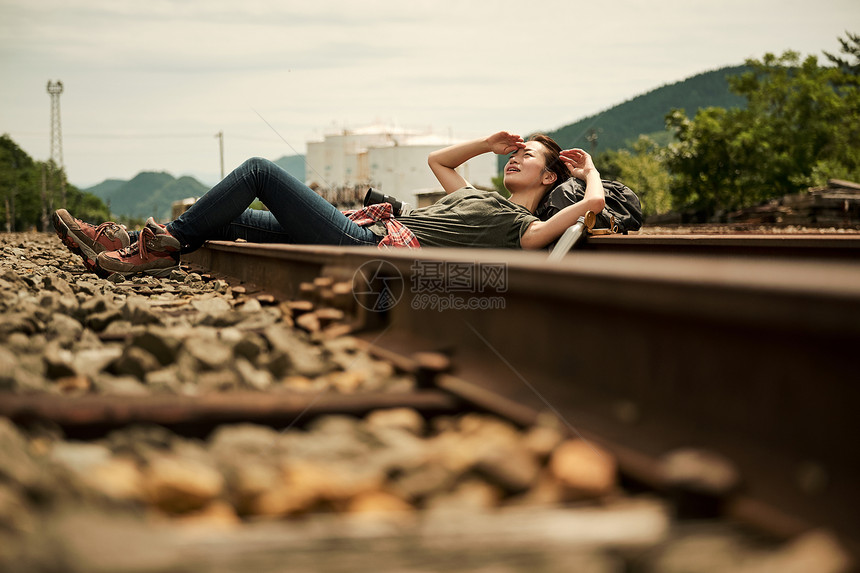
point(528, 198)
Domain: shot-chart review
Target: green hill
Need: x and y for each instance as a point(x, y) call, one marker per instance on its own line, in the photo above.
point(621, 125)
point(147, 194)
point(152, 193)
point(106, 187)
point(293, 164)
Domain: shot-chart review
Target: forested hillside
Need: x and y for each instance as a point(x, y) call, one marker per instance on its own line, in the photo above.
point(147, 194)
point(620, 126)
point(30, 190)
point(106, 187)
point(293, 164)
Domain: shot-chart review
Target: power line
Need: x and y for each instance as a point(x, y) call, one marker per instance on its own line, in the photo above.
point(108, 135)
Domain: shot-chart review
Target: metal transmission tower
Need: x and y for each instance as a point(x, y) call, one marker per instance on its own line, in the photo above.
point(220, 137)
point(54, 90)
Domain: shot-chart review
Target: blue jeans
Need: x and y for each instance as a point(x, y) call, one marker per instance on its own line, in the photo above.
point(296, 214)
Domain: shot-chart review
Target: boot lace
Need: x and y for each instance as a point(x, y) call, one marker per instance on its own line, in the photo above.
point(102, 229)
point(140, 245)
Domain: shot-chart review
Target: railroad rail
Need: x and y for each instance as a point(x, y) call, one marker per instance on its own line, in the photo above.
point(791, 246)
point(748, 355)
point(94, 416)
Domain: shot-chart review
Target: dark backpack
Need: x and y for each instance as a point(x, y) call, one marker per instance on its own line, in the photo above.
point(622, 204)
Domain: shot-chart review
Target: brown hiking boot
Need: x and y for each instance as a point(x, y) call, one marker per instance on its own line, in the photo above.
point(154, 251)
point(87, 240)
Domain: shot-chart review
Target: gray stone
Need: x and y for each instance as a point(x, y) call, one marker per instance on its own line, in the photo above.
point(250, 347)
point(332, 438)
point(140, 440)
point(58, 361)
point(209, 354)
point(512, 468)
point(398, 451)
point(80, 457)
point(100, 320)
point(17, 322)
point(251, 482)
point(231, 440)
point(211, 306)
point(160, 342)
point(277, 363)
point(117, 478)
point(13, 279)
point(177, 275)
point(470, 495)
point(165, 380)
point(59, 285)
point(15, 514)
point(86, 287)
point(49, 301)
point(18, 465)
point(250, 306)
point(121, 329)
point(423, 482)
point(8, 369)
point(251, 377)
point(120, 385)
point(401, 418)
point(179, 485)
point(259, 320)
point(304, 358)
point(18, 342)
point(95, 305)
point(63, 326)
point(91, 361)
point(135, 361)
point(138, 311)
point(217, 381)
point(88, 340)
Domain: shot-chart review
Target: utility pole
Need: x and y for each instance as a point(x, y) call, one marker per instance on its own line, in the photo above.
point(54, 90)
point(220, 137)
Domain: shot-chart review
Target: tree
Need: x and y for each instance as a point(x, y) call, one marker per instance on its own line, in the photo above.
point(642, 170)
point(21, 192)
point(801, 126)
point(850, 47)
point(16, 169)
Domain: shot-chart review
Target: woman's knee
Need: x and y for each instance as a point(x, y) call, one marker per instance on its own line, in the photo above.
point(256, 164)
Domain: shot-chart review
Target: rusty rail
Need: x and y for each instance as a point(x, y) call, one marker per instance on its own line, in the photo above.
point(790, 246)
point(90, 416)
point(751, 357)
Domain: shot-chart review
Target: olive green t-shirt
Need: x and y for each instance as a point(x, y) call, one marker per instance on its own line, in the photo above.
point(470, 217)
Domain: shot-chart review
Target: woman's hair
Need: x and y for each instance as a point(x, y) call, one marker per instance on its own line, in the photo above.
point(552, 156)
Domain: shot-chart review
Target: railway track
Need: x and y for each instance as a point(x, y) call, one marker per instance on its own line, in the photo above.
point(740, 346)
point(844, 247)
point(717, 371)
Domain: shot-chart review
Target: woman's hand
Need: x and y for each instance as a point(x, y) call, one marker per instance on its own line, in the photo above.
point(578, 162)
point(503, 143)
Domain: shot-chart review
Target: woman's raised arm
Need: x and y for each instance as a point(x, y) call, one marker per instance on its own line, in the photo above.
point(444, 162)
point(580, 165)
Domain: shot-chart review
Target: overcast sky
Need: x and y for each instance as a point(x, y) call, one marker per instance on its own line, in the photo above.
point(148, 84)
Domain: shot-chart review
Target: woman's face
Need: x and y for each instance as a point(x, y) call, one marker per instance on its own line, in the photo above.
point(526, 168)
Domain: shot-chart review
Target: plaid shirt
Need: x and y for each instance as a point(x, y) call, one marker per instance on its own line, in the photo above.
point(398, 234)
